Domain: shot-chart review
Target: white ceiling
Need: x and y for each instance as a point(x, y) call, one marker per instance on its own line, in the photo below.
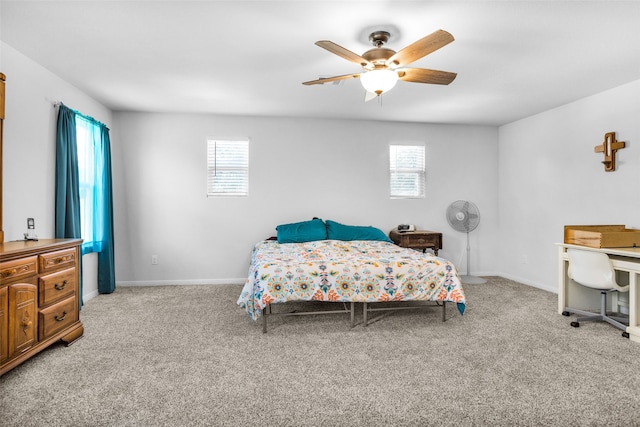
point(513, 58)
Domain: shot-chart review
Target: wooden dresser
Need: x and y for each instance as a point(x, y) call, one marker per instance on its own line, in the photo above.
point(39, 297)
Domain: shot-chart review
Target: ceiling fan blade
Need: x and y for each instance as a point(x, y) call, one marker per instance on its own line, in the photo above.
point(332, 79)
point(343, 52)
point(424, 75)
point(420, 48)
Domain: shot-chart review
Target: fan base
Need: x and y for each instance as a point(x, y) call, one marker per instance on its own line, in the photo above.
point(472, 280)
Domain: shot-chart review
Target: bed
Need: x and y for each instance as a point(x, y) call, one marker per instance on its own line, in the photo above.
point(345, 271)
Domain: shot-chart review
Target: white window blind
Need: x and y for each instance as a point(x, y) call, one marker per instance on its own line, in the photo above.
point(227, 167)
point(407, 171)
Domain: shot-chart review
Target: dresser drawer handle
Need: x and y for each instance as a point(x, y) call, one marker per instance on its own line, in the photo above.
point(61, 318)
point(9, 273)
point(26, 324)
point(60, 287)
point(421, 241)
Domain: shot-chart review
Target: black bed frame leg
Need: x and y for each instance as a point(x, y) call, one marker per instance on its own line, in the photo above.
point(353, 314)
point(364, 314)
point(264, 320)
point(444, 311)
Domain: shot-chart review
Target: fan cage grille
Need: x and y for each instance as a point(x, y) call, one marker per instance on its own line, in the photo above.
point(463, 216)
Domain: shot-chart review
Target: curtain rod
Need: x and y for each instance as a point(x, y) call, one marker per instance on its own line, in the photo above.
point(84, 116)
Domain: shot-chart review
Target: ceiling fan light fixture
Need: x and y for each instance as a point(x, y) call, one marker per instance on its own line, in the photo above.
point(379, 81)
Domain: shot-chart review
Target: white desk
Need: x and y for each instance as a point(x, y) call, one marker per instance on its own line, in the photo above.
point(623, 259)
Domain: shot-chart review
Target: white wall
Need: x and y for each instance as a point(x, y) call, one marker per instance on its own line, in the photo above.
point(298, 169)
point(550, 176)
point(529, 178)
point(29, 147)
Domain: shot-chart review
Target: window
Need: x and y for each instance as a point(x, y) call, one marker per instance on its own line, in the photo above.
point(88, 138)
point(407, 171)
point(84, 196)
point(227, 167)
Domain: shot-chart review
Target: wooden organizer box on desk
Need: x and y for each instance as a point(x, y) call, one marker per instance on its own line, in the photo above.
point(602, 236)
point(39, 297)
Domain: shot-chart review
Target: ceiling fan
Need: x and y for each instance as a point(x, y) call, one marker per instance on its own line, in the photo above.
point(382, 67)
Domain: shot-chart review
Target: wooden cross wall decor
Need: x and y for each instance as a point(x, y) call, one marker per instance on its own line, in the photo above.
point(608, 148)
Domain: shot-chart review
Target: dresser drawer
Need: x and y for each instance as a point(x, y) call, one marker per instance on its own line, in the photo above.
point(53, 261)
point(56, 286)
point(18, 269)
point(57, 317)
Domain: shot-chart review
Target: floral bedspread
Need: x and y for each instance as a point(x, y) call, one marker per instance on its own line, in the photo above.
point(359, 271)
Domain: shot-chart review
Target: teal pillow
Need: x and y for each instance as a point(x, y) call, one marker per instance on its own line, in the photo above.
point(299, 232)
point(337, 231)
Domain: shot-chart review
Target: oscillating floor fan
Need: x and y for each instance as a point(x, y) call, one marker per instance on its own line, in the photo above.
point(464, 216)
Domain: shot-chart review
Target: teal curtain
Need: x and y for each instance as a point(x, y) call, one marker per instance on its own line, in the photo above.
point(106, 264)
point(92, 189)
point(67, 193)
point(67, 215)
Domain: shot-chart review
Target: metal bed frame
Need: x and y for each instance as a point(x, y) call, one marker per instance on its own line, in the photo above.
point(350, 309)
point(267, 311)
point(366, 309)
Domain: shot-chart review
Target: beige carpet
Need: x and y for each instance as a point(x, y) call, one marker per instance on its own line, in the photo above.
point(187, 355)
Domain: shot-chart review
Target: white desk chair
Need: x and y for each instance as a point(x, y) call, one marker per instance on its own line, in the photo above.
point(594, 270)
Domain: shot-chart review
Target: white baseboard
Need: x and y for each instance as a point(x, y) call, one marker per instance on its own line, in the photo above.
point(235, 281)
point(87, 296)
point(553, 289)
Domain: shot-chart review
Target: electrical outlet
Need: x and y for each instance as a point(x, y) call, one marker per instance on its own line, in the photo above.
point(154, 259)
point(525, 259)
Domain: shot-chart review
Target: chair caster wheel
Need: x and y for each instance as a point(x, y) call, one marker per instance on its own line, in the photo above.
point(575, 324)
point(566, 313)
point(625, 334)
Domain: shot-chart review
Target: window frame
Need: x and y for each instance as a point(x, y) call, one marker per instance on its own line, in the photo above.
point(88, 172)
point(237, 184)
point(419, 172)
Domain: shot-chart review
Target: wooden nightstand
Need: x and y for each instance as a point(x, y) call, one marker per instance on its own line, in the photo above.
point(419, 239)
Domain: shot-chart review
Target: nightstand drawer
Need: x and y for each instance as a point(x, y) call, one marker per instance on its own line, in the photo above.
point(420, 240)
